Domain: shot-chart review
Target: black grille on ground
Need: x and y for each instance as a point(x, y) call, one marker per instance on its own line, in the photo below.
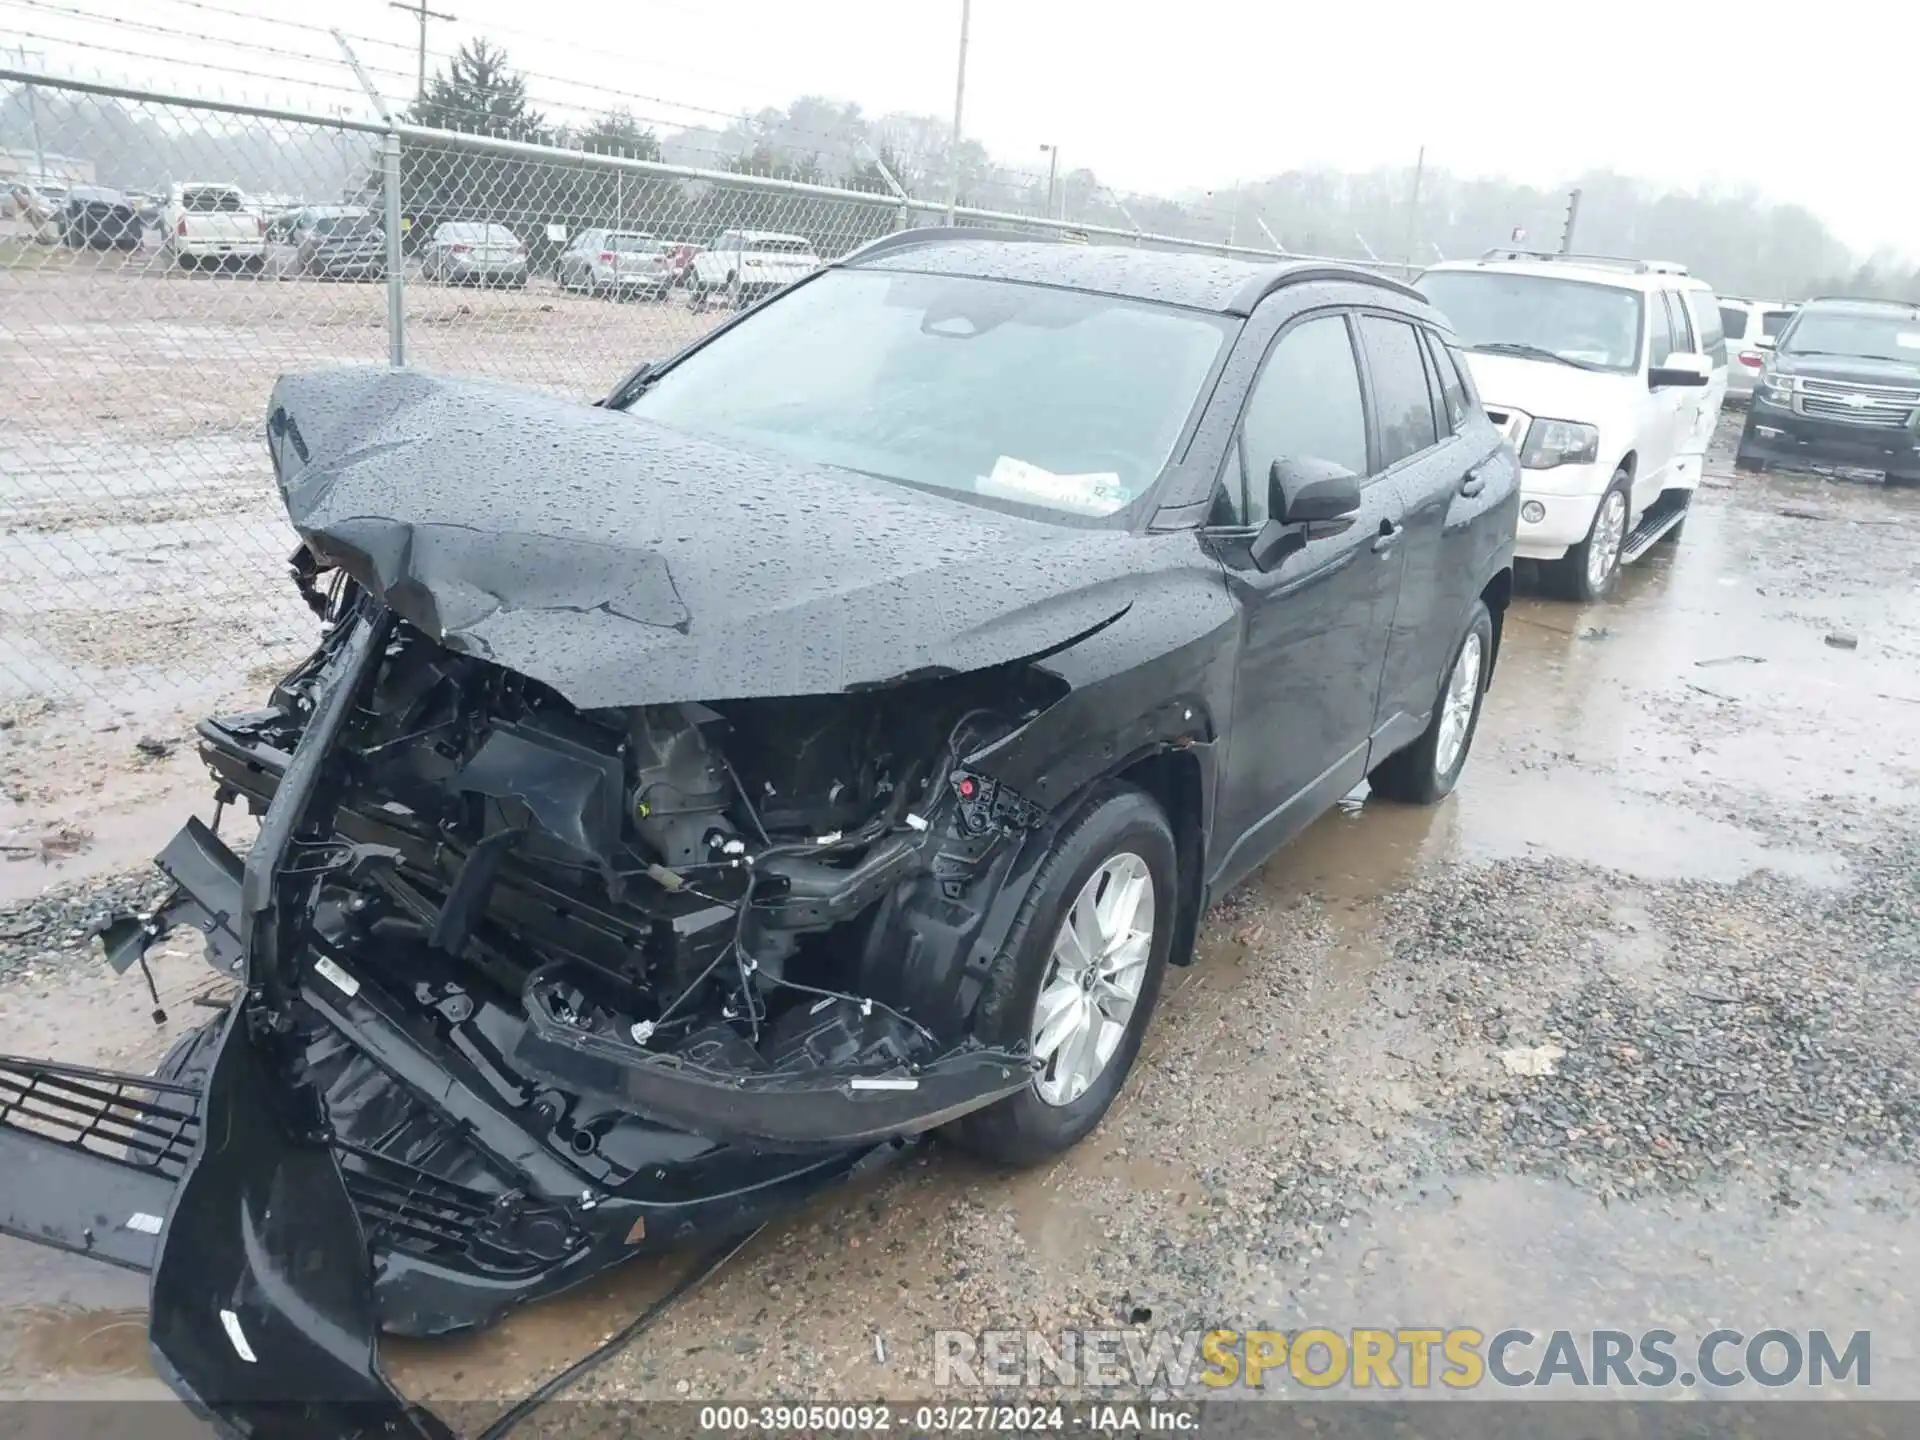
point(132, 1120)
point(412, 1209)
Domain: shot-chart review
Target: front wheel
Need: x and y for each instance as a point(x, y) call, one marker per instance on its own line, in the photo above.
point(1078, 976)
point(1426, 771)
point(1587, 571)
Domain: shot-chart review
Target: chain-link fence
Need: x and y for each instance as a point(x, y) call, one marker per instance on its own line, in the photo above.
point(146, 311)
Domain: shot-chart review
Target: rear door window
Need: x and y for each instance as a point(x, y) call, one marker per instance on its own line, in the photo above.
point(1772, 322)
point(1401, 399)
point(1733, 323)
point(1681, 322)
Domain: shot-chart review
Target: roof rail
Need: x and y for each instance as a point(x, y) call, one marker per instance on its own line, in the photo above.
point(1618, 262)
point(924, 235)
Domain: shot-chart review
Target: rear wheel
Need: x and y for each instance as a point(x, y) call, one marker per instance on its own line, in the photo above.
point(1587, 571)
point(1078, 976)
point(1426, 771)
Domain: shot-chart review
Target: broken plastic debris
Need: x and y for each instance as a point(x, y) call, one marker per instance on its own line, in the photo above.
point(1841, 640)
point(642, 1031)
point(1537, 1060)
point(916, 822)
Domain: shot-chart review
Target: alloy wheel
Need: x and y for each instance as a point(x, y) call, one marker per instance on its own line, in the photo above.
point(1093, 978)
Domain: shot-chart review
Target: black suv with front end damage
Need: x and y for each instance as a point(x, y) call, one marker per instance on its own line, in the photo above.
point(829, 737)
point(1841, 387)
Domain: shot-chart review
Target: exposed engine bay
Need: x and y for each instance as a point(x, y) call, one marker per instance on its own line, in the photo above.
point(748, 921)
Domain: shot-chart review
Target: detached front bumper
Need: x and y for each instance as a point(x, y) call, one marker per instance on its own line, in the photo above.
point(335, 1161)
point(1779, 436)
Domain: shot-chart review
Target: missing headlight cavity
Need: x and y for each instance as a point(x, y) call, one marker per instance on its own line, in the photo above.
point(710, 916)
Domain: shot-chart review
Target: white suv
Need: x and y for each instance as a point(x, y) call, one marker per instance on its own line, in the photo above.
point(1607, 376)
point(1752, 327)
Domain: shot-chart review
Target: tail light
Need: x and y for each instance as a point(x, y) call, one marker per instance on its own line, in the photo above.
point(460, 249)
point(180, 226)
point(1751, 359)
point(607, 257)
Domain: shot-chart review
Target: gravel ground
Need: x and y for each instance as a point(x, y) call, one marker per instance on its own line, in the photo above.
point(1624, 1033)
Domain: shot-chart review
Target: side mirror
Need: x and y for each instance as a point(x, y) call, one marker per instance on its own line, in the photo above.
point(1680, 369)
point(1305, 498)
point(1306, 492)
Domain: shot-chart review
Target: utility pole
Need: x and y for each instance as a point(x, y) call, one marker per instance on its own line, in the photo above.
point(959, 104)
point(419, 8)
point(33, 112)
point(1573, 218)
point(1053, 169)
point(1413, 204)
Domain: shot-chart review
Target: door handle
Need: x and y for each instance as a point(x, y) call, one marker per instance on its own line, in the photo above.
point(1389, 533)
point(1473, 482)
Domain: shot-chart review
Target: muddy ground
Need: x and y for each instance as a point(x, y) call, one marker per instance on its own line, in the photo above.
point(1683, 854)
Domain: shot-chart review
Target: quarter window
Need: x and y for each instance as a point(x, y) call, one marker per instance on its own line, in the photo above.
point(1399, 388)
point(1706, 324)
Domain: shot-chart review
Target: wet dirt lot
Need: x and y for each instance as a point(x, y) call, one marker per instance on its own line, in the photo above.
point(1683, 855)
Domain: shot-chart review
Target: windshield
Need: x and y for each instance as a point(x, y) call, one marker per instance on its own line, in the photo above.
point(1597, 326)
point(1867, 337)
point(632, 245)
point(1068, 402)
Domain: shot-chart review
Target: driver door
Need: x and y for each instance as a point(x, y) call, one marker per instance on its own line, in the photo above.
point(1314, 626)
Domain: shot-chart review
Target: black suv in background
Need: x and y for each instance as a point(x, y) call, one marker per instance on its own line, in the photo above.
point(1842, 388)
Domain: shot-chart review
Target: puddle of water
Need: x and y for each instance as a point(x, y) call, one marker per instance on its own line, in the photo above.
point(1501, 1251)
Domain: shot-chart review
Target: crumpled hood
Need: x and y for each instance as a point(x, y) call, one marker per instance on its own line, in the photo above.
point(624, 563)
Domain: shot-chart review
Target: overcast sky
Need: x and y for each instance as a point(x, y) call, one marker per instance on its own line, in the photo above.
point(1189, 95)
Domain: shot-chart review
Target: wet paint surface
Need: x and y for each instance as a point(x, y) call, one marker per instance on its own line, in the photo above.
point(1642, 859)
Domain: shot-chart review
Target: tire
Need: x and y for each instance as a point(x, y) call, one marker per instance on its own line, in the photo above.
point(1116, 824)
point(1744, 462)
point(1572, 577)
point(1415, 775)
point(1902, 482)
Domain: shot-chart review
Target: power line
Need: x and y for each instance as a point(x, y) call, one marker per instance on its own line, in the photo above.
point(250, 74)
point(419, 9)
